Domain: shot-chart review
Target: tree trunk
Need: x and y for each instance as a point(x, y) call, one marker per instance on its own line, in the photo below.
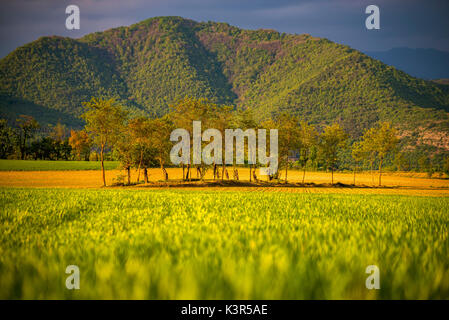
point(128, 171)
point(102, 164)
point(332, 169)
point(249, 173)
point(380, 172)
point(355, 169)
point(22, 149)
point(188, 172)
point(223, 167)
point(145, 174)
point(164, 172)
point(183, 173)
point(304, 174)
point(286, 167)
point(140, 164)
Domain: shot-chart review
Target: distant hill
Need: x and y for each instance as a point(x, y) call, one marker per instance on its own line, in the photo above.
point(442, 81)
point(150, 64)
point(421, 63)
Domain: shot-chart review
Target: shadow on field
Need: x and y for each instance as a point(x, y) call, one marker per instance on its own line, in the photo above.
point(245, 184)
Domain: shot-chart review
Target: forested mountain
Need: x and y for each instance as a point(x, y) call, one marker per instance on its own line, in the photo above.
point(151, 64)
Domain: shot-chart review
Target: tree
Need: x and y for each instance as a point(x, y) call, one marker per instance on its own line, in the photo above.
point(331, 141)
point(59, 132)
point(6, 139)
point(125, 148)
point(81, 144)
point(368, 149)
point(425, 165)
point(221, 117)
point(44, 149)
point(358, 153)
point(160, 138)
point(148, 160)
point(385, 141)
point(289, 132)
point(245, 120)
point(140, 130)
point(400, 161)
point(446, 166)
point(104, 119)
point(27, 128)
point(282, 145)
point(184, 112)
point(307, 140)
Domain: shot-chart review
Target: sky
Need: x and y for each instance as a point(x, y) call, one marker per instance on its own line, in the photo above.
point(403, 23)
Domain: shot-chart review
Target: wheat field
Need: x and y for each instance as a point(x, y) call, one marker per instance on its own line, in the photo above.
point(178, 244)
point(205, 240)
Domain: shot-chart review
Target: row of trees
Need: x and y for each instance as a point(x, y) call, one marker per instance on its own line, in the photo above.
point(20, 142)
point(142, 142)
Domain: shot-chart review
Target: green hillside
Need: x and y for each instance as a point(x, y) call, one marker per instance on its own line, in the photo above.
point(151, 64)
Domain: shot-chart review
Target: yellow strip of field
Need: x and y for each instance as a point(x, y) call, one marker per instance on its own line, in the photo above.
point(392, 183)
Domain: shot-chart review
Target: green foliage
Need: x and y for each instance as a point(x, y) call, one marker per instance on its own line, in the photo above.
point(104, 121)
point(446, 166)
point(152, 64)
point(104, 124)
point(81, 144)
point(7, 138)
point(46, 165)
point(27, 127)
point(376, 144)
point(59, 73)
point(307, 141)
point(400, 161)
point(332, 140)
point(140, 244)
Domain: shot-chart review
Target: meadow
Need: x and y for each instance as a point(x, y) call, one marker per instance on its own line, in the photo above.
point(47, 165)
point(184, 244)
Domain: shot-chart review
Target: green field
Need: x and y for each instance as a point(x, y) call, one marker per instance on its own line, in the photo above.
point(46, 165)
point(246, 245)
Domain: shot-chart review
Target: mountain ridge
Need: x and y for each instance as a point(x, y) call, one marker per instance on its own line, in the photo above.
point(151, 64)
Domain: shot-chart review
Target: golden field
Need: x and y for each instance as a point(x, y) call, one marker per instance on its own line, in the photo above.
point(222, 240)
point(392, 183)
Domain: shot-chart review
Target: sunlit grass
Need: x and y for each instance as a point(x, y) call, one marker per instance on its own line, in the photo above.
point(186, 244)
point(46, 165)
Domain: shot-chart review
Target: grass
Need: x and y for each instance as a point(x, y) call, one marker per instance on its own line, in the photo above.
point(46, 165)
point(176, 244)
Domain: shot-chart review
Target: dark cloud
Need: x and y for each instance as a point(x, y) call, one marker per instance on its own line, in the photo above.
point(404, 23)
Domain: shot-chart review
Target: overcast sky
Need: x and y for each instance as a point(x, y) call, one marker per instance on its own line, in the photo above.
point(404, 23)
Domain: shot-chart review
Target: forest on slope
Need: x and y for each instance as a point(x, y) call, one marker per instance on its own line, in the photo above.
point(150, 65)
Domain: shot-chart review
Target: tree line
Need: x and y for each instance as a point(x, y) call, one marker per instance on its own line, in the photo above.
point(141, 142)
